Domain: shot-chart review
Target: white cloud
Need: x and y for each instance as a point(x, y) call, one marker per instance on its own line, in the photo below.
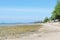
point(41, 10)
point(18, 17)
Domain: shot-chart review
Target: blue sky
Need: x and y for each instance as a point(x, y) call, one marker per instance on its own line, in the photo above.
point(12, 11)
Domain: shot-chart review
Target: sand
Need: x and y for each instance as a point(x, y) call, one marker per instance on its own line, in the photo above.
point(49, 31)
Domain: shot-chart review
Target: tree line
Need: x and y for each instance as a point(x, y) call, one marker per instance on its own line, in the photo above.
point(55, 13)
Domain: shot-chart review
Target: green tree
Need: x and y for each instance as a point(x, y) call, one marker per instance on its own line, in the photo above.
point(46, 19)
point(56, 12)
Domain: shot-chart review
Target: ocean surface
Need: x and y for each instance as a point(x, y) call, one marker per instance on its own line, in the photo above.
point(14, 24)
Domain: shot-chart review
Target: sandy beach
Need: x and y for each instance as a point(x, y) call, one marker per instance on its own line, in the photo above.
point(49, 31)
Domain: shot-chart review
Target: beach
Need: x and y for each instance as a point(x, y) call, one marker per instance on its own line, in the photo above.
point(48, 31)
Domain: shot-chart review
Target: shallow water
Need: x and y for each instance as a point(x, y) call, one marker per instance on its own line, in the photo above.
point(11, 24)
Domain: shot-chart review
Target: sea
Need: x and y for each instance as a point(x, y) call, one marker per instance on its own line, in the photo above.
point(14, 24)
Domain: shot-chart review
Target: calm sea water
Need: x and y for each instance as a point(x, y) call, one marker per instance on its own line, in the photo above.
point(17, 24)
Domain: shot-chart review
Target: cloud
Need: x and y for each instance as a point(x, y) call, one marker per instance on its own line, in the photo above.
point(18, 17)
point(41, 10)
point(11, 16)
point(14, 14)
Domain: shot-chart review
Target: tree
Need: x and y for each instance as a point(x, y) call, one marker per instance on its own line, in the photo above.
point(46, 19)
point(56, 12)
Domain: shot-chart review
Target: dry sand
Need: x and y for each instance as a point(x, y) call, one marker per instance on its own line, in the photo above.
point(49, 31)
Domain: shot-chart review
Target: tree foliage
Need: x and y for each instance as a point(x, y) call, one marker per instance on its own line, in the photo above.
point(56, 12)
point(46, 19)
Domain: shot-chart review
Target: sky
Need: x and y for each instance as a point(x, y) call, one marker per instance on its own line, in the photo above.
point(15, 11)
